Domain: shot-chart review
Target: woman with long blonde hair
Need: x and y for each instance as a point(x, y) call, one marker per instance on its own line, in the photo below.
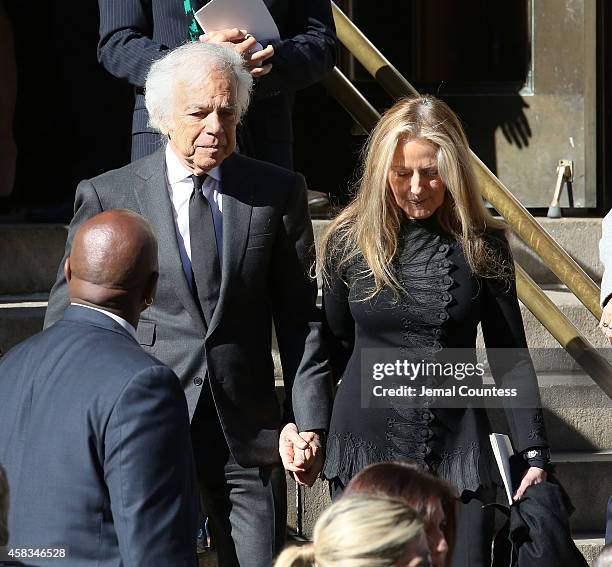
point(410, 269)
point(363, 531)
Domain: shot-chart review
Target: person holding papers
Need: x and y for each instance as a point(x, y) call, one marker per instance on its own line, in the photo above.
point(134, 33)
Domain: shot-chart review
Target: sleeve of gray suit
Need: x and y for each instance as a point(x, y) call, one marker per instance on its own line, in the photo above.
point(298, 320)
point(86, 205)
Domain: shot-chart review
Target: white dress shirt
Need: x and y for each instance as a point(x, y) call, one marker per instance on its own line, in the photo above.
point(180, 187)
point(127, 326)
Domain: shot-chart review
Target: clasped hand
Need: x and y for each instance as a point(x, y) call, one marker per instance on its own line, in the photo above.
point(302, 453)
point(244, 44)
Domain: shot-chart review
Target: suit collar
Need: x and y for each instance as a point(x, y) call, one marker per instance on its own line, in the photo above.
point(80, 314)
point(125, 324)
point(155, 204)
point(237, 189)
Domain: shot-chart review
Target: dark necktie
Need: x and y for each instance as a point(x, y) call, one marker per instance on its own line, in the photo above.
point(204, 256)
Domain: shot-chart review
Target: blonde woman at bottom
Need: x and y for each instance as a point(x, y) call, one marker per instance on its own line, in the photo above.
point(363, 531)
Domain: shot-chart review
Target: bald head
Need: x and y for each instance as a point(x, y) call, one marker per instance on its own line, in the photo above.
point(113, 262)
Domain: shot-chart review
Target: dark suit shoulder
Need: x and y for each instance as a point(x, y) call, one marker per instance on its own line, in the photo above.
point(142, 168)
point(274, 174)
point(92, 357)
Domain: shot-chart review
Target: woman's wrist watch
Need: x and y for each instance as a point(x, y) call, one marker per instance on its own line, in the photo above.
point(538, 457)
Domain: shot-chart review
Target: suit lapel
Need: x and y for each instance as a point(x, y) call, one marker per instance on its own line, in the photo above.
point(154, 201)
point(237, 191)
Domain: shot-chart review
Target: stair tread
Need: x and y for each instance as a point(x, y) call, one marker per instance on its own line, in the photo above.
point(603, 455)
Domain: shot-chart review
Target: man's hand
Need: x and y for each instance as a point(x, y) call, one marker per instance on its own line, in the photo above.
point(606, 321)
point(244, 44)
point(534, 475)
point(302, 453)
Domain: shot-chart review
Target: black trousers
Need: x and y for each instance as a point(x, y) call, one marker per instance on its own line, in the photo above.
point(246, 507)
point(475, 530)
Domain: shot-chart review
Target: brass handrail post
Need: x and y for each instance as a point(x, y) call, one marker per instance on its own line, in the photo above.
point(523, 223)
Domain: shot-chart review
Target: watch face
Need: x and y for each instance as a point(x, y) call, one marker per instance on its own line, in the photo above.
point(544, 453)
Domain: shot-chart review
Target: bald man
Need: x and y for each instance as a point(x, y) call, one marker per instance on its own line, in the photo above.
point(94, 432)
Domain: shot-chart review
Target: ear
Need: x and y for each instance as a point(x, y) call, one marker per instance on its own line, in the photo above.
point(150, 287)
point(67, 270)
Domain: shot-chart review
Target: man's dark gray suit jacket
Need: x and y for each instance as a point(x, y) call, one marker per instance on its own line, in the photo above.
point(267, 255)
point(94, 436)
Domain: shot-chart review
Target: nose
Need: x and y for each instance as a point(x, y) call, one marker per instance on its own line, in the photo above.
point(442, 546)
point(417, 184)
point(213, 124)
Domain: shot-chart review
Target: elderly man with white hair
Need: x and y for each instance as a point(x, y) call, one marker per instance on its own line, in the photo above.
point(235, 249)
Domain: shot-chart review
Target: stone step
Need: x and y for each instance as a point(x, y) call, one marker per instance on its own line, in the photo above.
point(547, 354)
point(572, 308)
point(586, 478)
point(577, 414)
point(29, 257)
point(590, 545)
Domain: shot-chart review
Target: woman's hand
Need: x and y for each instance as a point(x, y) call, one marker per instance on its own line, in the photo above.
point(534, 475)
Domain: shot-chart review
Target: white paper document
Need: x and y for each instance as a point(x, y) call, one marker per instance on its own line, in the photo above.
point(502, 449)
point(250, 15)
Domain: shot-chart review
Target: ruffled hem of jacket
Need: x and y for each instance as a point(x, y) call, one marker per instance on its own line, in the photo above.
point(346, 455)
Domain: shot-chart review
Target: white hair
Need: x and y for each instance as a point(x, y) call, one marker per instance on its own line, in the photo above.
point(188, 65)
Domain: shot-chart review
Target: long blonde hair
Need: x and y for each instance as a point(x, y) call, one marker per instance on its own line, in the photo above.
point(358, 531)
point(368, 227)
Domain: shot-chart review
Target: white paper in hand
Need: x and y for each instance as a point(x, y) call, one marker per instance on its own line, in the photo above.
point(250, 15)
point(502, 449)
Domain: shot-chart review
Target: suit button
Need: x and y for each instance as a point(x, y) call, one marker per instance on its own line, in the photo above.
point(198, 381)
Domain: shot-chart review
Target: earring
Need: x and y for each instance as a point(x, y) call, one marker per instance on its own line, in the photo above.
point(149, 301)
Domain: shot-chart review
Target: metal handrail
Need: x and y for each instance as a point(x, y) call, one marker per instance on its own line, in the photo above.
point(338, 85)
point(493, 190)
point(530, 294)
point(563, 330)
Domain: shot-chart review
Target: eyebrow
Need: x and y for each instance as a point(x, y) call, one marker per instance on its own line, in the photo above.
point(403, 168)
point(199, 107)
